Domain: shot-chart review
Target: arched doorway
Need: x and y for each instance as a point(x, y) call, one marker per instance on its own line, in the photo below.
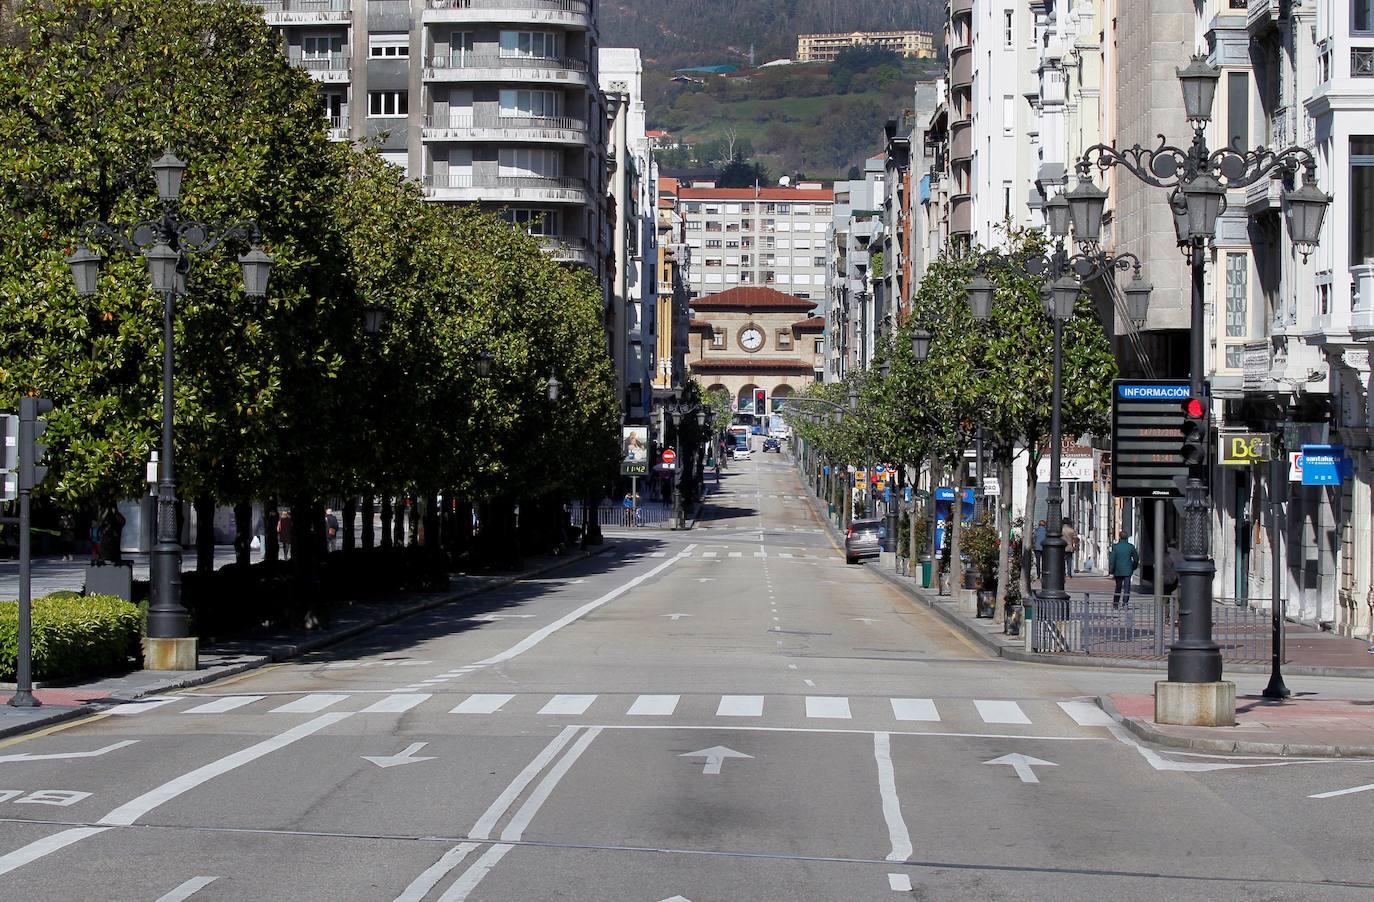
point(780, 395)
point(744, 401)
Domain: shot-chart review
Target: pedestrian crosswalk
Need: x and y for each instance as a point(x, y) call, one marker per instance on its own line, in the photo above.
point(893, 713)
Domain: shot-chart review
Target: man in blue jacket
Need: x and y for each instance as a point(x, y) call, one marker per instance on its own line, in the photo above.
point(1122, 561)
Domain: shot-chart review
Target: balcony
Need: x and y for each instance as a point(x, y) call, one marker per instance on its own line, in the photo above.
point(504, 129)
point(575, 14)
point(1263, 196)
point(306, 12)
point(467, 67)
point(568, 250)
point(961, 67)
point(338, 128)
point(960, 214)
point(959, 8)
point(331, 69)
point(506, 189)
point(961, 140)
point(1262, 15)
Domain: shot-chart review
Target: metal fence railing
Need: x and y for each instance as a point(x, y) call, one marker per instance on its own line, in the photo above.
point(1092, 625)
point(651, 514)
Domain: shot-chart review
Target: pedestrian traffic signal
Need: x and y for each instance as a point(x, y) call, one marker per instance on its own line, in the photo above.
point(760, 402)
point(1194, 430)
point(9, 425)
point(31, 450)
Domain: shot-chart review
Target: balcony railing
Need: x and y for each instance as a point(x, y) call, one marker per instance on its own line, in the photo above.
point(570, 6)
point(468, 120)
point(496, 61)
point(504, 182)
point(333, 64)
point(306, 11)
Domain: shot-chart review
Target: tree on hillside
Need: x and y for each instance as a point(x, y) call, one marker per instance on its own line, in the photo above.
point(742, 173)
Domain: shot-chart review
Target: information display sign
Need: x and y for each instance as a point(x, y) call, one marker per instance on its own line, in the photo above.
point(1147, 437)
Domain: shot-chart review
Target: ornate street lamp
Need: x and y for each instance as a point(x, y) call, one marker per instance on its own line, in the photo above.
point(553, 387)
point(980, 295)
point(920, 345)
point(1138, 299)
point(1199, 82)
point(1304, 209)
point(1057, 216)
point(1205, 199)
point(374, 317)
point(169, 243)
point(484, 364)
point(1086, 205)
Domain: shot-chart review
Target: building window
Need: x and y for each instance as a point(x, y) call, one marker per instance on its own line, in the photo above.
point(388, 46)
point(713, 261)
point(817, 261)
point(534, 104)
point(713, 242)
point(785, 208)
point(818, 346)
point(529, 162)
point(534, 222)
point(321, 46)
point(1237, 297)
point(1362, 16)
point(1008, 114)
point(529, 45)
point(822, 209)
point(691, 208)
point(1362, 200)
point(717, 339)
point(387, 103)
point(732, 245)
point(1009, 28)
point(1238, 109)
point(694, 225)
point(713, 225)
point(784, 340)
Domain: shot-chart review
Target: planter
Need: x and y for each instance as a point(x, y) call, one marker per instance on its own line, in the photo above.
point(926, 572)
point(987, 604)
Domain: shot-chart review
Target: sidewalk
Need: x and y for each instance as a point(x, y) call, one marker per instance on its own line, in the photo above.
point(1327, 728)
point(70, 700)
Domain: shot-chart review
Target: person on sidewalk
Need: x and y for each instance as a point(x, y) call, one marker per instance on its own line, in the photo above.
point(1038, 545)
point(285, 534)
point(1070, 544)
point(331, 529)
point(1123, 561)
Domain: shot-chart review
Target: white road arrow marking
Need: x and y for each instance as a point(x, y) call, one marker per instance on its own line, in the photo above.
point(676, 899)
point(59, 755)
point(715, 756)
point(1022, 764)
point(676, 616)
point(1343, 792)
point(405, 756)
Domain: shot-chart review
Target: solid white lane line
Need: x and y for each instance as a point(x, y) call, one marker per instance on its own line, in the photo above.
point(147, 703)
point(740, 706)
point(892, 807)
point(544, 632)
point(131, 811)
point(515, 829)
point(915, 709)
point(310, 704)
point(465, 884)
point(1086, 714)
point(899, 882)
point(999, 711)
point(227, 703)
point(187, 889)
point(481, 704)
point(487, 822)
point(827, 706)
point(48, 844)
point(737, 554)
point(708, 554)
point(395, 704)
point(1320, 795)
point(421, 885)
point(568, 704)
point(656, 705)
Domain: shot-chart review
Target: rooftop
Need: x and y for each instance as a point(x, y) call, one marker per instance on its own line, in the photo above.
point(753, 297)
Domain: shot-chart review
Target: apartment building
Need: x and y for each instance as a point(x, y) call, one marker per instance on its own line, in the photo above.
point(857, 308)
point(489, 102)
point(757, 236)
point(674, 296)
point(825, 47)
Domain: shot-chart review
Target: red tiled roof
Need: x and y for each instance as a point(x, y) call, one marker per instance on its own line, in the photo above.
point(752, 297)
point(792, 194)
point(726, 365)
point(814, 324)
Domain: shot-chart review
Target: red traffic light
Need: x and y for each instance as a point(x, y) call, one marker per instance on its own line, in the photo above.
point(1195, 408)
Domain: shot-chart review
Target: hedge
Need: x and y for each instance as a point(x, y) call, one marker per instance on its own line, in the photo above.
point(73, 635)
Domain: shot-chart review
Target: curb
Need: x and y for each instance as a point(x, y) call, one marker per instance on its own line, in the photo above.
point(1147, 731)
point(287, 651)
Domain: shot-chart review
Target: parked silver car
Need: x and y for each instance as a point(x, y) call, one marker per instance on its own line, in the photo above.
point(862, 540)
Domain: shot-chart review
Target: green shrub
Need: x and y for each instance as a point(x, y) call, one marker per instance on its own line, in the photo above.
point(72, 636)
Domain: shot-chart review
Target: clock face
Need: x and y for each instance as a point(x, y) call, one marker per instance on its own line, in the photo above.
point(751, 339)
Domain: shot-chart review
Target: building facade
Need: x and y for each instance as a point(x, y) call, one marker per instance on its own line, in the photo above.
point(825, 47)
point(856, 309)
point(757, 236)
point(755, 338)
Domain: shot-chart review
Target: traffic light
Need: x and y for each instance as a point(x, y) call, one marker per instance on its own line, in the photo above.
point(9, 424)
point(760, 402)
point(31, 450)
point(1194, 430)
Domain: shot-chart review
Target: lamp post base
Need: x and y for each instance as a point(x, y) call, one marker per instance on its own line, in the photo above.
point(171, 654)
point(1195, 704)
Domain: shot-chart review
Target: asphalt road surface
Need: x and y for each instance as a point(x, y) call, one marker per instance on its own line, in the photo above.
point(719, 715)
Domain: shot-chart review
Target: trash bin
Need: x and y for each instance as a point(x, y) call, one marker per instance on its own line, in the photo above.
point(926, 581)
point(970, 578)
point(987, 603)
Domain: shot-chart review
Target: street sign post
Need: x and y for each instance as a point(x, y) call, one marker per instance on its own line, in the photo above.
point(1147, 437)
point(669, 459)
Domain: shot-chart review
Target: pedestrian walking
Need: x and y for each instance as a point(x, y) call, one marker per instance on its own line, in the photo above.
point(67, 535)
point(1070, 544)
point(1038, 545)
point(331, 529)
point(1124, 560)
point(284, 534)
point(628, 503)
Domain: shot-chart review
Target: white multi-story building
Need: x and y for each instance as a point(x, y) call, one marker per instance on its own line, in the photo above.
point(856, 307)
point(757, 236)
point(490, 102)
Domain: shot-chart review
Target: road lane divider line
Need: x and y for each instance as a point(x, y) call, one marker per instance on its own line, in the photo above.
point(421, 885)
point(892, 807)
point(466, 883)
point(45, 846)
point(129, 813)
point(187, 889)
point(544, 632)
point(515, 830)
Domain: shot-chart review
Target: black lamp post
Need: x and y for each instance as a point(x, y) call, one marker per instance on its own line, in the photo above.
point(1199, 179)
point(676, 412)
point(920, 352)
point(1064, 274)
point(169, 243)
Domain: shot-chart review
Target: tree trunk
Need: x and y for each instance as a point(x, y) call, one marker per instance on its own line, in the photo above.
point(413, 520)
point(386, 521)
point(243, 533)
point(271, 548)
point(1030, 523)
point(350, 522)
point(369, 517)
point(956, 515)
point(1003, 534)
point(398, 521)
